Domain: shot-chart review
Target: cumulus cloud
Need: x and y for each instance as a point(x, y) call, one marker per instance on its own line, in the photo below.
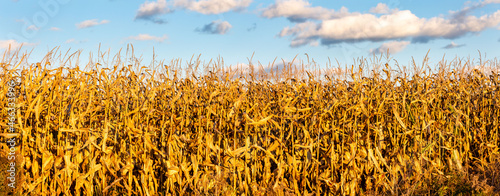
point(394, 26)
point(215, 27)
point(90, 23)
point(151, 10)
point(212, 6)
point(4, 44)
point(485, 2)
point(393, 47)
point(382, 8)
point(453, 45)
point(54, 29)
point(13, 44)
point(301, 10)
point(461, 15)
point(147, 37)
point(33, 27)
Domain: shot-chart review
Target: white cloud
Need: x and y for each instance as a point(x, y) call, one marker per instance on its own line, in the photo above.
point(397, 25)
point(70, 41)
point(301, 10)
point(54, 29)
point(216, 27)
point(453, 45)
point(382, 8)
point(14, 45)
point(33, 27)
point(484, 69)
point(485, 2)
point(212, 6)
point(4, 44)
point(241, 67)
point(147, 37)
point(393, 47)
point(74, 41)
point(150, 10)
point(461, 15)
point(91, 23)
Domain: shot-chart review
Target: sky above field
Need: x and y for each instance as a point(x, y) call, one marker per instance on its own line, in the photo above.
point(236, 29)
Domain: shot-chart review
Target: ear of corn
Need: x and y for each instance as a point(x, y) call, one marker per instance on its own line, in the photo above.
point(135, 131)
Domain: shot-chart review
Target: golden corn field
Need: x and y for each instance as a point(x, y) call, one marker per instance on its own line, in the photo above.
point(121, 128)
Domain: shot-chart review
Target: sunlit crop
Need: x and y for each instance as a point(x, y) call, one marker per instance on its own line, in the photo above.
point(123, 127)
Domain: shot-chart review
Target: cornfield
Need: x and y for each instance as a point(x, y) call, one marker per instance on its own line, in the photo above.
point(121, 128)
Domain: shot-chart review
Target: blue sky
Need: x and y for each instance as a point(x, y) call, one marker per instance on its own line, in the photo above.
point(235, 29)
